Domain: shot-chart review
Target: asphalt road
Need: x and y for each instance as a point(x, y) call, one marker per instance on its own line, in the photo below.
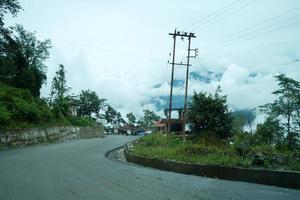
point(80, 170)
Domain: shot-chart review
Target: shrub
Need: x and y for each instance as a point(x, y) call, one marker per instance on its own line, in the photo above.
point(209, 112)
point(18, 108)
point(4, 114)
point(81, 121)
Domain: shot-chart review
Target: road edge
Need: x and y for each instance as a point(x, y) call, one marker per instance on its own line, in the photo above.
point(286, 179)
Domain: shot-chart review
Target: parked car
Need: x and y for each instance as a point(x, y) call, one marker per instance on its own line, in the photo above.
point(141, 133)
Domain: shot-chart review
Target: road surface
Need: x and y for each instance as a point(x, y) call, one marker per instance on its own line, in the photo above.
point(80, 170)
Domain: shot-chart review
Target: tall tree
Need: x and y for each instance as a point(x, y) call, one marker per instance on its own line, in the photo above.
point(131, 119)
point(119, 120)
point(110, 114)
point(8, 6)
point(148, 118)
point(286, 107)
point(90, 103)
point(270, 132)
point(22, 58)
point(209, 113)
point(60, 98)
point(113, 117)
point(59, 87)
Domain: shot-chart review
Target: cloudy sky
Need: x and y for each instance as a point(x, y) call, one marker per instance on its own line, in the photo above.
point(120, 48)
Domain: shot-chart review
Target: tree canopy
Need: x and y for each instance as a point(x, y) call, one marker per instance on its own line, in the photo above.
point(60, 98)
point(113, 117)
point(22, 58)
point(149, 117)
point(209, 113)
point(8, 6)
point(89, 103)
point(131, 119)
point(286, 108)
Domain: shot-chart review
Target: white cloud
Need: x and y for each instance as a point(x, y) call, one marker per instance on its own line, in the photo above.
point(120, 49)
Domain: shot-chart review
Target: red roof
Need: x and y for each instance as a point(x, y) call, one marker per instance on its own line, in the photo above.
point(159, 124)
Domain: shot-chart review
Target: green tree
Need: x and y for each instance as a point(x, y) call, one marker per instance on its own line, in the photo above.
point(90, 103)
point(22, 59)
point(209, 113)
point(59, 97)
point(8, 6)
point(270, 132)
point(131, 119)
point(110, 115)
point(119, 120)
point(113, 117)
point(149, 117)
point(286, 107)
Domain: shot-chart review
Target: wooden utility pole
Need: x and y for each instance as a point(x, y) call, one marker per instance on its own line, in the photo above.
point(189, 36)
point(187, 83)
point(172, 79)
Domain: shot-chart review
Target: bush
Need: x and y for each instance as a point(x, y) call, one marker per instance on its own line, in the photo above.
point(4, 114)
point(242, 143)
point(246, 152)
point(270, 132)
point(157, 139)
point(209, 112)
point(19, 109)
point(81, 121)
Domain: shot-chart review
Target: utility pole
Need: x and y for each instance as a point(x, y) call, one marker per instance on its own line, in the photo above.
point(187, 82)
point(189, 36)
point(172, 79)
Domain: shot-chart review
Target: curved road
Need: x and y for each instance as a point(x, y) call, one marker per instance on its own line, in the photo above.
point(80, 170)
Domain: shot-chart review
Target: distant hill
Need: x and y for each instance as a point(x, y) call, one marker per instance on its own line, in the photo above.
point(203, 76)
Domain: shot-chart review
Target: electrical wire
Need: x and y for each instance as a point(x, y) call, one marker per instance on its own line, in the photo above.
point(245, 31)
point(214, 14)
point(249, 36)
point(236, 6)
point(221, 17)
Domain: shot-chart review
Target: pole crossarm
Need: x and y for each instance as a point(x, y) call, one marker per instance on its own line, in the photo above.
point(183, 64)
point(180, 34)
point(173, 63)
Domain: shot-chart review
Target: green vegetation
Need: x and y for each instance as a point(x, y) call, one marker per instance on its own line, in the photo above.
point(8, 6)
point(18, 108)
point(284, 112)
point(209, 113)
point(212, 151)
point(131, 119)
point(148, 119)
point(22, 58)
point(89, 103)
point(60, 100)
point(22, 74)
point(81, 121)
point(218, 136)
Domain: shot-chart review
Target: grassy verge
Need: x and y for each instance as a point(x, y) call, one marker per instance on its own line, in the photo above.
point(213, 152)
point(20, 110)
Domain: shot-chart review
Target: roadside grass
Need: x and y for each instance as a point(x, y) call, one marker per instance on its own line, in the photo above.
point(20, 110)
point(214, 152)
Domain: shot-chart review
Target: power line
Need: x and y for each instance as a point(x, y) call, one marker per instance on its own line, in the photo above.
point(222, 15)
point(245, 31)
point(214, 14)
point(253, 36)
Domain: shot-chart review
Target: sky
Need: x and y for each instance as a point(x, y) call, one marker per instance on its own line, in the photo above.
point(120, 48)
